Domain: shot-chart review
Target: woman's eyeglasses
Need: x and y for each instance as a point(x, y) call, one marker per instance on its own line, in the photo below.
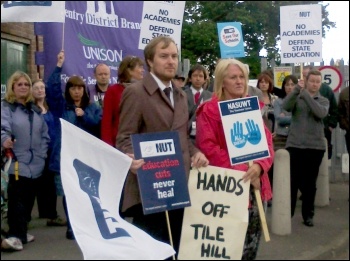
point(38, 88)
point(23, 84)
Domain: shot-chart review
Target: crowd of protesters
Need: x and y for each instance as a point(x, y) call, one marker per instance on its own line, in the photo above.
point(30, 128)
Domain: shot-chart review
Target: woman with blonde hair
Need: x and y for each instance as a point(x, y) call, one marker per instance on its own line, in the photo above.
point(231, 82)
point(23, 129)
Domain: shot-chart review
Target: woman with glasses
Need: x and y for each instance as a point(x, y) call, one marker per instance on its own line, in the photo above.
point(46, 196)
point(24, 131)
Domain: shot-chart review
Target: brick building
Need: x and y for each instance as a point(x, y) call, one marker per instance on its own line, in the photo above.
point(18, 47)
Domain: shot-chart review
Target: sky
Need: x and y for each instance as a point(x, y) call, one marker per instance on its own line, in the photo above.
point(336, 43)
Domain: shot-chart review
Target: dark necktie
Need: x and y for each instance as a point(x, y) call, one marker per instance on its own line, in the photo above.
point(196, 97)
point(167, 91)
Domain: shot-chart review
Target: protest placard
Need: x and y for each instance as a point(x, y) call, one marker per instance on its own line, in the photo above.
point(162, 179)
point(215, 225)
point(301, 33)
point(244, 144)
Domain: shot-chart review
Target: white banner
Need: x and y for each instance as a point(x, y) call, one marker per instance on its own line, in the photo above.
point(93, 174)
point(33, 11)
point(161, 18)
point(301, 33)
point(215, 225)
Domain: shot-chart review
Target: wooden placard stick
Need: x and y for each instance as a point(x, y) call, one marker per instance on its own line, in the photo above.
point(169, 230)
point(261, 211)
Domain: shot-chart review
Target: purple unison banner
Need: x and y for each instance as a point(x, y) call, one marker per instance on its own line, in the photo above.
point(94, 32)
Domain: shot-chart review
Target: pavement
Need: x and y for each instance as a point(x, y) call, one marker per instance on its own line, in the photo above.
point(327, 240)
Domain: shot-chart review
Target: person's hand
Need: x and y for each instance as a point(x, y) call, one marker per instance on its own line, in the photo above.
point(301, 83)
point(255, 184)
point(199, 160)
point(8, 143)
point(79, 112)
point(60, 58)
point(330, 129)
point(135, 164)
point(282, 114)
point(253, 174)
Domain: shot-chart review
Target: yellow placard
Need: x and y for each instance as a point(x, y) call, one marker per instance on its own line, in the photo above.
point(279, 74)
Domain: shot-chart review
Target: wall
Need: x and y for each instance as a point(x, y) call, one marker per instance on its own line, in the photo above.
point(24, 33)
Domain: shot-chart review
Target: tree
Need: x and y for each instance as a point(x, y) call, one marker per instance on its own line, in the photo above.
point(260, 26)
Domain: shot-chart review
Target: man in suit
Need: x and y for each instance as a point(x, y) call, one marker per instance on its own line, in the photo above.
point(97, 92)
point(145, 108)
point(196, 94)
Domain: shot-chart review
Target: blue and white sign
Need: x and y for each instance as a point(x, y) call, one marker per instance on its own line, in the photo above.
point(244, 130)
point(231, 40)
point(162, 179)
point(301, 33)
point(156, 148)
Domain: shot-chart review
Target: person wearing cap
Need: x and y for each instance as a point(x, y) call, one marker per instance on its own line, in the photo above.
point(179, 81)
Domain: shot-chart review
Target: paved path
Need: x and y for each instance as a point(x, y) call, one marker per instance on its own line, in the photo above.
point(328, 239)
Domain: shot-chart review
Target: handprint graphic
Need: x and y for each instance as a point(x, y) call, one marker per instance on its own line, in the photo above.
point(254, 134)
point(237, 138)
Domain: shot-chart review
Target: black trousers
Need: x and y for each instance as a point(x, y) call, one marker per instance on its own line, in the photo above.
point(328, 136)
point(46, 196)
point(21, 197)
point(64, 202)
point(347, 141)
point(304, 167)
point(156, 225)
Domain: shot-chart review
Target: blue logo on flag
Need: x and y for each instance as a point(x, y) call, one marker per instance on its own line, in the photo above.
point(89, 180)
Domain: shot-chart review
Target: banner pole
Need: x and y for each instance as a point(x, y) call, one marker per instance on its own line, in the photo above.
point(261, 211)
point(169, 231)
point(37, 49)
point(62, 37)
point(301, 71)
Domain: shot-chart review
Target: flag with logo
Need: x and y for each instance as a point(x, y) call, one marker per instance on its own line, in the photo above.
point(94, 32)
point(93, 174)
point(33, 11)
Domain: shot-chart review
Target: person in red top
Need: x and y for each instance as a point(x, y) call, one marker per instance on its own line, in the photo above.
point(130, 70)
point(231, 82)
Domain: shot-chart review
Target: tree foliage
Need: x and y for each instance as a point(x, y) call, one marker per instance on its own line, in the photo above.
point(260, 26)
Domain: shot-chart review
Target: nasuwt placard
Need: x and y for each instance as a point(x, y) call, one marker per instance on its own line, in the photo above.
point(244, 130)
